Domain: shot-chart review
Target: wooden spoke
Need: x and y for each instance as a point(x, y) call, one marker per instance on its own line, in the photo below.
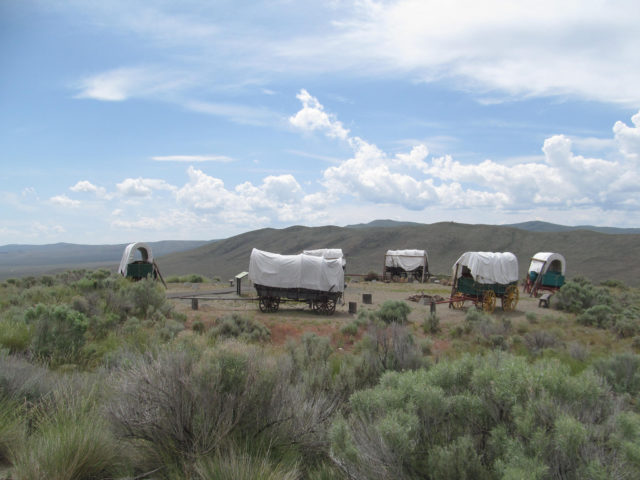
point(488, 301)
point(510, 298)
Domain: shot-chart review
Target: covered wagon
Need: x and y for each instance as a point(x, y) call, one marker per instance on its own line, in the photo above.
point(313, 279)
point(137, 262)
point(481, 277)
point(546, 272)
point(400, 264)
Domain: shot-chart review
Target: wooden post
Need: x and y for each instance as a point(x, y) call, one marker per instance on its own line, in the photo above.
point(366, 298)
point(353, 307)
point(453, 284)
point(433, 307)
point(194, 304)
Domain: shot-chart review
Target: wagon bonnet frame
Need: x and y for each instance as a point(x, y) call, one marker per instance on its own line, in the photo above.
point(546, 272)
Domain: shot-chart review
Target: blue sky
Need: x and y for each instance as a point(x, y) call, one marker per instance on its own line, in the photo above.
point(150, 120)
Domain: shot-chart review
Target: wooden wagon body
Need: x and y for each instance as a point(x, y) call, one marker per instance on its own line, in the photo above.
point(323, 302)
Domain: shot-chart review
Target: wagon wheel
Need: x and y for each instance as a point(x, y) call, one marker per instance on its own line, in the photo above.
point(275, 304)
point(417, 274)
point(316, 306)
point(331, 306)
point(510, 298)
point(489, 301)
point(265, 304)
point(457, 301)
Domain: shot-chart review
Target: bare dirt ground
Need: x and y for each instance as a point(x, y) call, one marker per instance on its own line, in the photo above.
point(294, 319)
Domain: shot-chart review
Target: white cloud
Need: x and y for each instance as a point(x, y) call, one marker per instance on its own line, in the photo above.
point(142, 187)
point(277, 198)
point(122, 83)
point(586, 49)
point(628, 138)
point(561, 179)
point(313, 117)
point(192, 158)
point(87, 187)
point(241, 114)
point(64, 201)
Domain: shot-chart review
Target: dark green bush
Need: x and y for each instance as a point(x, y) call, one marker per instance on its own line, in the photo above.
point(496, 416)
point(578, 295)
point(59, 332)
point(15, 335)
point(601, 316)
point(350, 329)
point(241, 327)
point(540, 340)
point(388, 347)
point(197, 326)
point(622, 372)
point(393, 311)
point(146, 296)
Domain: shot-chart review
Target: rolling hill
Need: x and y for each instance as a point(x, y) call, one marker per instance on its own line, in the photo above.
point(21, 260)
point(598, 256)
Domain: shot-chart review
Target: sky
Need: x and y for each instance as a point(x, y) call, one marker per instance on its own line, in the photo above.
point(130, 120)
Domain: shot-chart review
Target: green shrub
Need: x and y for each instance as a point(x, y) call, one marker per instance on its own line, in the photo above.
point(474, 416)
point(393, 311)
point(197, 326)
point(531, 317)
point(540, 340)
point(622, 372)
point(600, 316)
point(350, 329)
point(146, 296)
point(388, 347)
point(578, 295)
point(241, 327)
point(180, 405)
point(15, 335)
point(58, 332)
point(627, 326)
point(431, 324)
point(614, 284)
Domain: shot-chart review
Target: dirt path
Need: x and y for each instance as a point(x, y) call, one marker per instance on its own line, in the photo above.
point(294, 319)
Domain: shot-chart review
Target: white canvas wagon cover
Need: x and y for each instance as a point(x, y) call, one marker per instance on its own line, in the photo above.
point(489, 267)
point(406, 259)
point(296, 271)
point(329, 253)
point(129, 255)
point(543, 260)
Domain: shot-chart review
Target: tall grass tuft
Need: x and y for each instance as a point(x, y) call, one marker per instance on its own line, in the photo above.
point(244, 466)
point(71, 440)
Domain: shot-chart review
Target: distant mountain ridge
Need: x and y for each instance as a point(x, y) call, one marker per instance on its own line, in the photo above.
point(20, 260)
point(595, 255)
point(537, 226)
point(531, 226)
